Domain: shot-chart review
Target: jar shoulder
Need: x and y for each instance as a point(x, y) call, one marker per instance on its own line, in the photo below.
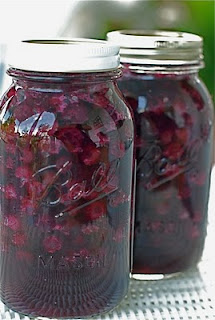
point(204, 92)
point(97, 110)
point(62, 99)
point(165, 90)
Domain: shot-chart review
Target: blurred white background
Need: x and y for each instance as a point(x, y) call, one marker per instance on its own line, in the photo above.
point(32, 18)
point(27, 19)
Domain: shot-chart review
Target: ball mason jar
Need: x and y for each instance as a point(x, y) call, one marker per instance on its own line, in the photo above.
point(173, 119)
point(66, 151)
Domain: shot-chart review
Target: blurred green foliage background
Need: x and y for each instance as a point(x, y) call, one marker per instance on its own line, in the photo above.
point(201, 21)
point(95, 18)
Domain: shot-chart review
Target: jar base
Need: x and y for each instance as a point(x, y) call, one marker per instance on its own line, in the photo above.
point(153, 277)
point(12, 314)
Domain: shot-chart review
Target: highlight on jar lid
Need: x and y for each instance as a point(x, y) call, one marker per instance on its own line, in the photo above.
point(64, 55)
point(154, 47)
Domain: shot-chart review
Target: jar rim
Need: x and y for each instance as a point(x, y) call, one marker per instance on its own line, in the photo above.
point(64, 55)
point(159, 48)
point(65, 77)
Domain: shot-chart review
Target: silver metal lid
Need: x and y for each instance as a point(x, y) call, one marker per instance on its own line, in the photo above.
point(159, 50)
point(64, 55)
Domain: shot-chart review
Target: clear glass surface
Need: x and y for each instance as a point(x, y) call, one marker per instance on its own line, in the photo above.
point(173, 120)
point(66, 151)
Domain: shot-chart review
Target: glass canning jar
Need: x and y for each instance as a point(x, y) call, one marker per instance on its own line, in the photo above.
point(173, 115)
point(66, 151)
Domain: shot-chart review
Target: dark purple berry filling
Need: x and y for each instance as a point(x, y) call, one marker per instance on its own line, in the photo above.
point(173, 120)
point(65, 188)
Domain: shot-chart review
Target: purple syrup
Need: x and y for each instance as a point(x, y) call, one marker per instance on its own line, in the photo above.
point(173, 121)
point(65, 196)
